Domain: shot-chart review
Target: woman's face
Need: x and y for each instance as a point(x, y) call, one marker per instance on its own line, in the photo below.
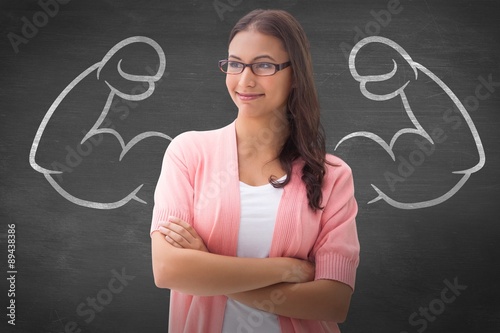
point(258, 96)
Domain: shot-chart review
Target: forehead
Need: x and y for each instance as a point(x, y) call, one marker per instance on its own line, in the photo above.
point(247, 45)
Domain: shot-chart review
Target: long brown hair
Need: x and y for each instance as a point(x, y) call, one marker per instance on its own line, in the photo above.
point(307, 138)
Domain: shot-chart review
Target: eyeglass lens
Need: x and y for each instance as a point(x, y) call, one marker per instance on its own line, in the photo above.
point(261, 68)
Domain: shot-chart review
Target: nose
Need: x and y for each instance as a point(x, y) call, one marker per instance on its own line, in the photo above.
point(247, 77)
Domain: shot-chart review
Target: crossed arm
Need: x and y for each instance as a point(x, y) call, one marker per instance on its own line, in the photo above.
point(283, 286)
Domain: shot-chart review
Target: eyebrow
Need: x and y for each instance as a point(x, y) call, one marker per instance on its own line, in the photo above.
point(256, 58)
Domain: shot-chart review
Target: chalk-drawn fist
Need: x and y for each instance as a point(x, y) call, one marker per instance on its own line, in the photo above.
point(433, 135)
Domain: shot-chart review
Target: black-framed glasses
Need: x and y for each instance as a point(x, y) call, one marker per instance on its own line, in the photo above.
point(258, 68)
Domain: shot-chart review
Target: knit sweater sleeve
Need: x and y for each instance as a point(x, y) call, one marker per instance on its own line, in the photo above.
point(174, 191)
point(336, 252)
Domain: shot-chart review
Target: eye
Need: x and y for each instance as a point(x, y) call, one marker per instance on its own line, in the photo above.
point(234, 64)
point(265, 65)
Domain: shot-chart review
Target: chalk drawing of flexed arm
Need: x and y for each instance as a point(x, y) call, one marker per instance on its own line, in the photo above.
point(97, 128)
point(417, 128)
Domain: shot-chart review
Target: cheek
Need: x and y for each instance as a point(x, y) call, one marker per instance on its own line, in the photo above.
point(283, 88)
point(230, 83)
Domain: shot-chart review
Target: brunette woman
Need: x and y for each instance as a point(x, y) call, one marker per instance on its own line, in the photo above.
point(254, 223)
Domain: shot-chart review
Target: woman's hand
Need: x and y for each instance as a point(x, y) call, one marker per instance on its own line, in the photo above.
point(181, 234)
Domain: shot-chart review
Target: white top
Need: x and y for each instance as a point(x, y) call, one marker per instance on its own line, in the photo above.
point(259, 206)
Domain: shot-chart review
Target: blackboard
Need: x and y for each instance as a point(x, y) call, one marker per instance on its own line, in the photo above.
point(391, 76)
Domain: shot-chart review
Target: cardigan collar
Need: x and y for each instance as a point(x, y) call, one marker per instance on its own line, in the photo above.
point(226, 240)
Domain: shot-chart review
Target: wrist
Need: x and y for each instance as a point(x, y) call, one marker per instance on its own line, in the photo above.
point(284, 268)
point(297, 271)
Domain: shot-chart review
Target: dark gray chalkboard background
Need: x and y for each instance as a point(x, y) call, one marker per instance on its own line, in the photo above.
point(65, 253)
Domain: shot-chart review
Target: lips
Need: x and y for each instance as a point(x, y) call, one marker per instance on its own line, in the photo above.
point(248, 96)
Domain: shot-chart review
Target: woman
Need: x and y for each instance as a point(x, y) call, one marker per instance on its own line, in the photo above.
point(254, 224)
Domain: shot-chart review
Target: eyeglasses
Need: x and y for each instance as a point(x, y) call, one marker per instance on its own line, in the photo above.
point(258, 68)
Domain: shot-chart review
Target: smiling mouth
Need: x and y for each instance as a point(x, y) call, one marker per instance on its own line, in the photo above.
point(248, 97)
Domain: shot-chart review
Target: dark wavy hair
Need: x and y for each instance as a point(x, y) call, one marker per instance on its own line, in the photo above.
point(307, 138)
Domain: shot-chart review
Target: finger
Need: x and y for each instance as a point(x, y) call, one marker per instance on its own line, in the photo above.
point(181, 231)
point(173, 227)
point(172, 242)
point(189, 228)
point(174, 235)
point(183, 228)
point(163, 230)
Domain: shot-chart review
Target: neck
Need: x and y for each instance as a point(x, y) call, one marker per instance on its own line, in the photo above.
point(261, 136)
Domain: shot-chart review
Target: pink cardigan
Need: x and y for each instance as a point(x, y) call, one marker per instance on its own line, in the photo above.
point(199, 183)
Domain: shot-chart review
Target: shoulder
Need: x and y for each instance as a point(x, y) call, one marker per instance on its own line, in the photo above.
point(337, 172)
point(338, 187)
point(338, 175)
point(336, 167)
